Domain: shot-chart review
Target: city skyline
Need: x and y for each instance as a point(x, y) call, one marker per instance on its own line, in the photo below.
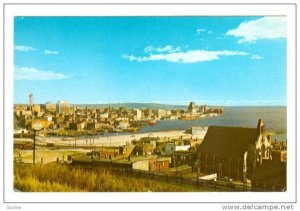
point(168, 60)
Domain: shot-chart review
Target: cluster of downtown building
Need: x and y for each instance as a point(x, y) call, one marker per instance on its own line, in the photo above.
point(64, 116)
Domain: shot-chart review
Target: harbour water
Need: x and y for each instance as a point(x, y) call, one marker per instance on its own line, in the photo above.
point(275, 119)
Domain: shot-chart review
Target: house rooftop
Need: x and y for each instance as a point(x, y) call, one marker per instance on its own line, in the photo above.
point(134, 159)
point(88, 159)
point(228, 141)
point(160, 159)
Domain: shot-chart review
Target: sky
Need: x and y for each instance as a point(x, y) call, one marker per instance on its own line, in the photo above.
point(172, 60)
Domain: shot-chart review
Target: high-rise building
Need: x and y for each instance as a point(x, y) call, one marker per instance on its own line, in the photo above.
point(137, 114)
point(192, 108)
point(50, 106)
point(30, 99)
point(203, 109)
point(63, 107)
point(160, 113)
point(36, 108)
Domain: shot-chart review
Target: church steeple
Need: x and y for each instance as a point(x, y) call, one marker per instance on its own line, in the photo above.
point(260, 127)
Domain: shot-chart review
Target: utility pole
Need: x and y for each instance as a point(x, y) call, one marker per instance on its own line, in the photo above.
point(35, 127)
point(33, 158)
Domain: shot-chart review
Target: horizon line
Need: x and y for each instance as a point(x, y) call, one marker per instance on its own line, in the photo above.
point(162, 103)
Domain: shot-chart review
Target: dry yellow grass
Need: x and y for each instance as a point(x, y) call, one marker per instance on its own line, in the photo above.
point(54, 177)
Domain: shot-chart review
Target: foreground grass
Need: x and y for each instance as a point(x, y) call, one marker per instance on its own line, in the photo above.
point(54, 177)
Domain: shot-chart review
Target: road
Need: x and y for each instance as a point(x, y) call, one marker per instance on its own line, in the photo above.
point(114, 140)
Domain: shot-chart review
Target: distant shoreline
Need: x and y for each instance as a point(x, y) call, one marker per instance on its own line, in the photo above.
point(158, 105)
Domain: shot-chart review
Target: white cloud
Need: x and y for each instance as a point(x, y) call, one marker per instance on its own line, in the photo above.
point(192, 56)
point(24, 48)
point(167, 48)
point(48, 52)
point(149, 49)
point(199, 31)
point(263, 28)
point(256, 57)
point(32, 74)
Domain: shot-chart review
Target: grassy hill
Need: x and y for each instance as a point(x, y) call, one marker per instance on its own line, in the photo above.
point(55, 177)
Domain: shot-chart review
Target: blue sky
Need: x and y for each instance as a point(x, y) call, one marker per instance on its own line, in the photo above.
point(174, 60)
